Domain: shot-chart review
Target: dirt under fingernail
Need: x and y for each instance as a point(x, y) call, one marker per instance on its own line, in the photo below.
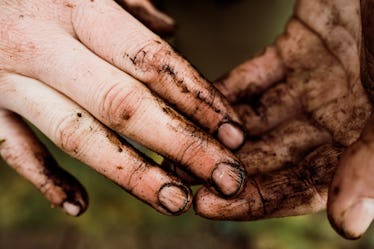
point(175, 199)
point(228, 179)
point(71, 209)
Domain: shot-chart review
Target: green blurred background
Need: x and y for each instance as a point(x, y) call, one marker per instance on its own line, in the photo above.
point(215, 36)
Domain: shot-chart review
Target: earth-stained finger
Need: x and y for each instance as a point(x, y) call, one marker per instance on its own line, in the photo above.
point(253, 76)
point(295, 190)
point(21, 150)
point(81, 136)
point(128, 107)
point(122, 41)
point(351, 196)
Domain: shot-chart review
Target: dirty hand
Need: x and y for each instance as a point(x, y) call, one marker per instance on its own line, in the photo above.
point(304, 105)
point(82, 71)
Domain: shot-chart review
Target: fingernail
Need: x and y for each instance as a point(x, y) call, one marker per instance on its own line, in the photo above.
point(228, 179)
point(71, 209)
point(175, 199)
point(231, 135)
point(358, 218)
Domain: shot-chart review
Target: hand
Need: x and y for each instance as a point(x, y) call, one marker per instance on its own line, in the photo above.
point(304, 104)
point(82, 71)
point(350, 203)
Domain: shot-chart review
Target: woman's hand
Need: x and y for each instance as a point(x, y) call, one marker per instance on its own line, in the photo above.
point(82, 71)
point(304, 104)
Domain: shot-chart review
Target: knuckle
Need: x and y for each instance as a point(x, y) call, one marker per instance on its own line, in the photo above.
point(80, 9)
point(133, 177)
point(188, 152)
point(118, 104)
point(73, 131)
point(4, 81)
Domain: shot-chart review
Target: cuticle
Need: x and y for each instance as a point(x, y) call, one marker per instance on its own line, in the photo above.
point(228, 120)
point(242, 177)
point(187, 192)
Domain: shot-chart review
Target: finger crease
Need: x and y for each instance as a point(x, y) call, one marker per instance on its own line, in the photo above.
point(263, 200)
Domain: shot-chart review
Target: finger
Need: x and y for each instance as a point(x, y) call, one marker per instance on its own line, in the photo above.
point(351, 196)
point(128, 107)
point(287, 144)
point(253, 76)
point(277, 105)
point(151, 60)
point(21, 150)
point(151, 17)
point(292, 191)
point(82, 137)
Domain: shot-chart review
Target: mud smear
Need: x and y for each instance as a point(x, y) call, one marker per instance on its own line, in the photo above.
point(164, 71)
point(59, 178)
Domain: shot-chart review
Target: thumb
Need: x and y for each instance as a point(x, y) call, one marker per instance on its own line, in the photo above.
point(351, 197)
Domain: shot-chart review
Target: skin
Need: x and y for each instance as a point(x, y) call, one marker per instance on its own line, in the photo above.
point(145, 11)
point(350, 203)
point(309, 118)
point(307, 113)
point(85, 71)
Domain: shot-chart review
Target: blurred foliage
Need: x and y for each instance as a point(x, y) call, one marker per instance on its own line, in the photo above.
point(215, 36)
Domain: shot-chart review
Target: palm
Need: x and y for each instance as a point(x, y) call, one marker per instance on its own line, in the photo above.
point(303, 103)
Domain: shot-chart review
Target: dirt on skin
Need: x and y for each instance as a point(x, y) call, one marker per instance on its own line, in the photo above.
point(310, 104)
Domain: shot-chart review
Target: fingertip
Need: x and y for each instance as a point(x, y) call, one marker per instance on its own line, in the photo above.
point(350, 204)
point(71, 209)
point(228, 179)
point(210, 206)
point(201, 204)
point(232, 135)
point(175, 198)
point(77, 204)
point(207, 205)
point(355, 220)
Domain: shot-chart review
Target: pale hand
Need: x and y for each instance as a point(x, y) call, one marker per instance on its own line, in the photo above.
point(84, 70)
